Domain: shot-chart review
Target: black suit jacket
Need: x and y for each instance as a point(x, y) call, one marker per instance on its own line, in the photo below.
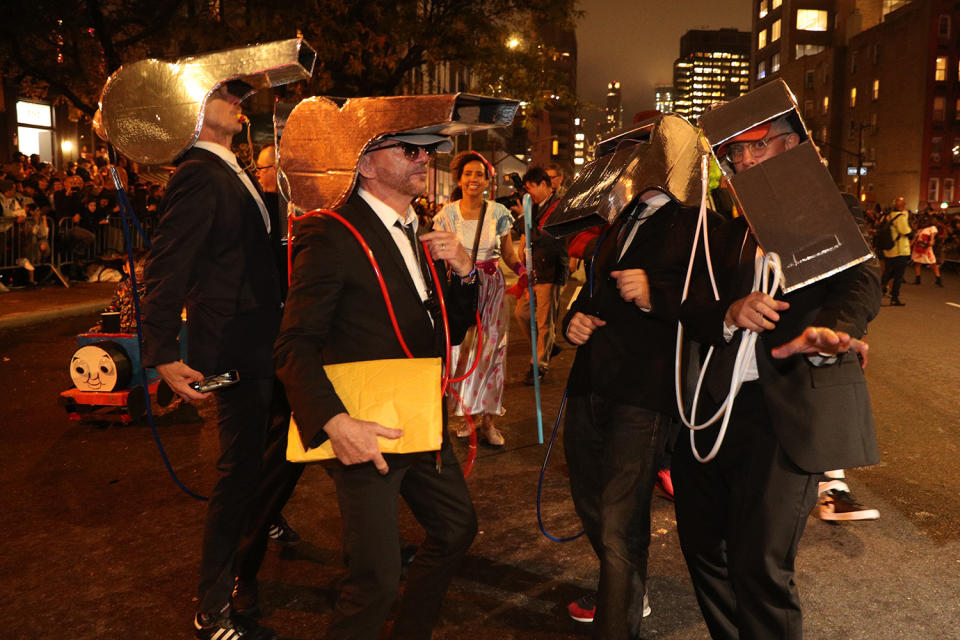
point(336, 312)
point(211, 252)
point(820, 415)
point(631, 359)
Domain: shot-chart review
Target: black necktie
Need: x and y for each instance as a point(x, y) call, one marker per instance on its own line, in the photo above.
point(628, 226)
point(430, 303)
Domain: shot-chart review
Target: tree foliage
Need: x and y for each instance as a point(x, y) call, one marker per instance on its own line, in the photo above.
point(67, 48)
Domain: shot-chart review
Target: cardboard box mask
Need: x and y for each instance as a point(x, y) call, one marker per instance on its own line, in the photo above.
point(790, 201)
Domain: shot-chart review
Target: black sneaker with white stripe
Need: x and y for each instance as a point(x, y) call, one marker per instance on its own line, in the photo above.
point(230, 627)
point(282, 533)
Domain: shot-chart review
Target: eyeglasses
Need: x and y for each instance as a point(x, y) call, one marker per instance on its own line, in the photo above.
point(264, 168)
point(411, 151)
point(758, 148)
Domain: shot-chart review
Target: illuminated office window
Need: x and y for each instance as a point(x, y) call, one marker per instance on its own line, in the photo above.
point(762, 70)
point(940, 72)
point(876, 89)
point(762, 39)
point(825, 105)
point(853, 97)
point(763, 8)
point(811, 20)
point(775, 63)
point(775, 30)
point(776, 4)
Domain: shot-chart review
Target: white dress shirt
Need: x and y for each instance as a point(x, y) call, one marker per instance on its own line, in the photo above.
point(388, 216)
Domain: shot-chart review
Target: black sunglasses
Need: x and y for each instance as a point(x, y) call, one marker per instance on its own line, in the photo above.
point(413, 150)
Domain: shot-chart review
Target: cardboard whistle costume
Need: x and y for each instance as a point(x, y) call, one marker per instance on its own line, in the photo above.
point(790, 201)
point(317, 157)
point(662, 153)
point(152, 110)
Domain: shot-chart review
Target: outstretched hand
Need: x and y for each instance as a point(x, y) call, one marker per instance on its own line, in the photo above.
point(355, 441)
point(822, 340)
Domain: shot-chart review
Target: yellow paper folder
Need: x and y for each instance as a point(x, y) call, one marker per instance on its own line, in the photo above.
point(402, 393)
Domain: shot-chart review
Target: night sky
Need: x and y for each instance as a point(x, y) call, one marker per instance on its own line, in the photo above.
point(636, 42)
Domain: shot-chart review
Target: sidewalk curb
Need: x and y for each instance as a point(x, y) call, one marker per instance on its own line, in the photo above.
point(25, 318)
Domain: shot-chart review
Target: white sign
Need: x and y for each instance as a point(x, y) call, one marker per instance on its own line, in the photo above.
point(33, 113)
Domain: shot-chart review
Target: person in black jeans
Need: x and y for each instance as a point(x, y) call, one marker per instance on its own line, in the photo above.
point(621, 399)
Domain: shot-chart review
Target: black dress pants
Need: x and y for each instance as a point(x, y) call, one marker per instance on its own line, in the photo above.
point(440, 502)
point(613, 451)
point(740, 518)
point(242, 412)
point(278, 479)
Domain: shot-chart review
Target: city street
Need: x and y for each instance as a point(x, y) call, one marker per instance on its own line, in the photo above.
point(100, 543)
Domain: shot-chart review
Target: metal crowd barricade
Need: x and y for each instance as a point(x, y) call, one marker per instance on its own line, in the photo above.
point(20, 243)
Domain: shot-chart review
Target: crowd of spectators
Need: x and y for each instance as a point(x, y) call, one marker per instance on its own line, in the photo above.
point(947, 221)
point(66, 217)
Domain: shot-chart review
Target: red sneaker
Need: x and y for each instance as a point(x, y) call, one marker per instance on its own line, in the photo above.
point(583, 609)
point(665, 482)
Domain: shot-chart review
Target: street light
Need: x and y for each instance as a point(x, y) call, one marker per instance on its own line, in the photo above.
point(513, 43)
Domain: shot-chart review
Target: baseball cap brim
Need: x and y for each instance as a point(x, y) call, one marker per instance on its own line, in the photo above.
point(444, 144)
point(758, 132)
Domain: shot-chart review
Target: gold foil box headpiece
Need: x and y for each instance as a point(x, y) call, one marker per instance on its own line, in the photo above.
point(152, 110)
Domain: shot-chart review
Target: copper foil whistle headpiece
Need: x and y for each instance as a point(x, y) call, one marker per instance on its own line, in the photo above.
point(322, 141)
point(152, 110)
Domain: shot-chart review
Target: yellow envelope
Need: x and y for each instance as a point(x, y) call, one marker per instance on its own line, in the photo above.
point(402, 393)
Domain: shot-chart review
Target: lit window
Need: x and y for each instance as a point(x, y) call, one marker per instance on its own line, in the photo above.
point(762, 70)
point(775, 30)
point(940, 74)
point(956, 112)
point(811, 20)
point(776, 4)
point(939, 109)
point(876, 89)
point(762, 39)
point(763, 8)
point(803, 50)
point(775, 63)
point(853, 97)
point(825, 105)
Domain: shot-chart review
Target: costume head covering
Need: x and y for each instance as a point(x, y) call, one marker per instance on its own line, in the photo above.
point(152, 110)
point(322, 139)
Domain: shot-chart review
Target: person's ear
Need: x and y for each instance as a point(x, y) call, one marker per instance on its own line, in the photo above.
point(365, 168)
point(790, 141)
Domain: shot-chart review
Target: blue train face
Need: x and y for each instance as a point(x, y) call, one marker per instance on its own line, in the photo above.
point(101, 366)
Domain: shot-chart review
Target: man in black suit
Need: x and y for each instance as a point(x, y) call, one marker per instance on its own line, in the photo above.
point(211, 252)
point(336, 313)
point(621, 399)
point(803, 410)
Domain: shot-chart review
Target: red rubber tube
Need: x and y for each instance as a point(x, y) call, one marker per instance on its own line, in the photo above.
point(472, 455)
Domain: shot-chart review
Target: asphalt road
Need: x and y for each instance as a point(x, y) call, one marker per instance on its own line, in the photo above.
point(99, 543)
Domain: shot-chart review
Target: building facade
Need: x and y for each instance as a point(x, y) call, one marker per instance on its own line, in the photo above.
point(713, 66)
point(613, 115)
point(878, 84)
point(664, 98)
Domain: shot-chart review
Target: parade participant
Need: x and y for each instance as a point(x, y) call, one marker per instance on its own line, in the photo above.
point(481, 394)
point(211, 253)
point(335, 313)
point(550, 263)
point(896, 258)
point(620, 399)
point(803, 409)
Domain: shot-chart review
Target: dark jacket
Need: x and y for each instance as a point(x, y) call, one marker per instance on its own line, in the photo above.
point(211, 253)
point(630, 360)
point(550, 259)
point(820, 415)
point(336, 312)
